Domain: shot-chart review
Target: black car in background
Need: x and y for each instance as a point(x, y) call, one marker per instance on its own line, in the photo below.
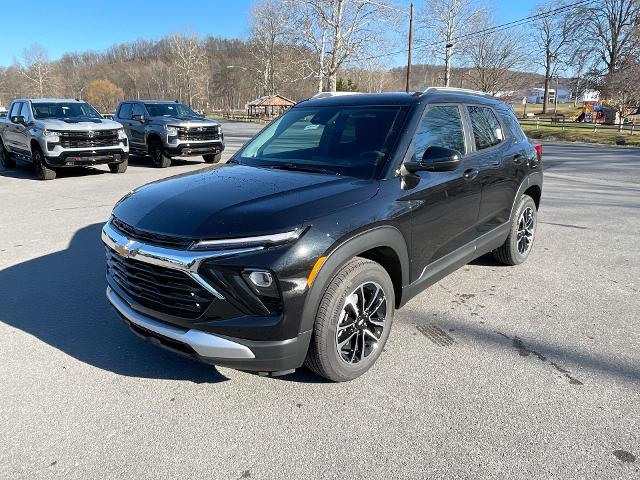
point(300, 249)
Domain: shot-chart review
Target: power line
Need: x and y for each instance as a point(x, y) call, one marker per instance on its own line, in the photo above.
point(495, 28)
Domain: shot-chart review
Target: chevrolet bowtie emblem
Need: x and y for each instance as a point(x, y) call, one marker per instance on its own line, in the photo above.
point(130, 249)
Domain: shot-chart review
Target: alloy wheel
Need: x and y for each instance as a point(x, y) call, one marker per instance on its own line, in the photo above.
point(361, 323)
point(526, 228)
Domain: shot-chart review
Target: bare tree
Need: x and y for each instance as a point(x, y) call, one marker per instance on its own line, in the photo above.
point(493, 58)
point(440, 21)
point(552, 39)
point(612, 24)
point(188, 55)
point(35, 67)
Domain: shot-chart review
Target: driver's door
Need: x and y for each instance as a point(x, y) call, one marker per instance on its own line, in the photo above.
point(444, 204)
point(12, 129)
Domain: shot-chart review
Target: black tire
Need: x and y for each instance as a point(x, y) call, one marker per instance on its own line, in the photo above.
point(119, 167)
point(156, 151)
point(42, 170)
point(323, 357)
point(5, 158)
point(512, 251)
point(214, 158)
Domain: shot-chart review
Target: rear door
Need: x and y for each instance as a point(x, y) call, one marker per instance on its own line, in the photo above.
point(444, 204)
point(22, 131)
point(124, 117)
point(11, 130)
point(499, 159)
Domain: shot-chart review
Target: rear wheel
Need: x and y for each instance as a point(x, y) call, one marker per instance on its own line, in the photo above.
point(156, 150)
point(519, 243)
point(42, 170)
point(214, 158)
point(119, 167)
point(353, 321)
point(5, 157)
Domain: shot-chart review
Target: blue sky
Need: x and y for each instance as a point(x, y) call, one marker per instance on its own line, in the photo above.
point(75, 25)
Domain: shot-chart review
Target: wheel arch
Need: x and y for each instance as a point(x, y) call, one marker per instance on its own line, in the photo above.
point(532, 186)
point(384, 245)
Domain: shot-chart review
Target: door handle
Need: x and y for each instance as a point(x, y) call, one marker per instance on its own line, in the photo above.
point(470, 174)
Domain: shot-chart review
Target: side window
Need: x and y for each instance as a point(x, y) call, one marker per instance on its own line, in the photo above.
point(441, 126)
point(510, 120)
point(24, 111)
point(125, 111)
point(138, 109)
point(486, 127)
point(15, 109)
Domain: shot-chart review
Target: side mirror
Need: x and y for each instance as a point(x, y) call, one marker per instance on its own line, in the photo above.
point(18, 119)
point(436, 159)
point(139, 118)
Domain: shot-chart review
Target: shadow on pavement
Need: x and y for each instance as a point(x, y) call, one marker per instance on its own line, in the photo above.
point(60, 299)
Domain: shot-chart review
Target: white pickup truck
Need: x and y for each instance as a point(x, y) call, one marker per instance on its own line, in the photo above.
point(56, 133)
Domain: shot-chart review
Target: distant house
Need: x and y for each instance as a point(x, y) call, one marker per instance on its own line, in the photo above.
point(269, 106)
point(589, 96)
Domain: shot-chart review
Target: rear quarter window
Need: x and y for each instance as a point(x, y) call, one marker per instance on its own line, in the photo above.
point(511, 122)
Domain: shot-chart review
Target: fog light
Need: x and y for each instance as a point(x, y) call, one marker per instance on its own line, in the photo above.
point(261, 279)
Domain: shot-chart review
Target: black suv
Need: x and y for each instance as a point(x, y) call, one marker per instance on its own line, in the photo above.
point(301, 247)
point(164, 129)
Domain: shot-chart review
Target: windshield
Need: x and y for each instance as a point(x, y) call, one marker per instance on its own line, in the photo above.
point(352, 141)
point(42, 111)
point(169, 110)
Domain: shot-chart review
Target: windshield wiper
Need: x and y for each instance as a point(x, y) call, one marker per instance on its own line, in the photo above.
point(299, 168)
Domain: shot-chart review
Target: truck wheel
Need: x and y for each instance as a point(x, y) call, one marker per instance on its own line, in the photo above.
point(42, 171)
point(156, 150)
point(119, 167)
point(214, 158)
point(353, 321)
point(5, 157)
point(519, 243)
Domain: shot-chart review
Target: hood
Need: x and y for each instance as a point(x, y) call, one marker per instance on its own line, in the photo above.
point(184, 121)
point(78, 125)
point(228, 201)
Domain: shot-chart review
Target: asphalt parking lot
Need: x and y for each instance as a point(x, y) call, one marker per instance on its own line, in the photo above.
point(494, 372)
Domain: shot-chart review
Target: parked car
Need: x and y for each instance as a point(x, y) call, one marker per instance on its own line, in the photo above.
point(53, 133)
point(3, 113)
point(301, 247)
point(164, 129)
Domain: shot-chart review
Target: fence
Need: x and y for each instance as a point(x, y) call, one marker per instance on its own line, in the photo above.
point(629, 128)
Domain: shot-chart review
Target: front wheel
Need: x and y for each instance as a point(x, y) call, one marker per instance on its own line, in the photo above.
point(519, 243)
point(42, 170)
point(156, 150)
point(213, 158)
point(119, 167)
point(353, 321)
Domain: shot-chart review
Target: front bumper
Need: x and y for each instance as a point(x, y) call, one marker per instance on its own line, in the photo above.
point(262, 356)
point(205, 339)
point(194, 148)
point(73, 158)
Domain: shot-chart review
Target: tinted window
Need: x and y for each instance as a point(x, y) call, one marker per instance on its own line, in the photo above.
point(340, 140)
point(24, 111)
point(510, 120)
point(138, 109)
point(64, 110)
point(486, 128)
point(169, 110)
point(125, 111)
point(15, 108)
point(441, 126)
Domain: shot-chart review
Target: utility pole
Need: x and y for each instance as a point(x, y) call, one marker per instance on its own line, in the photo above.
point(410, 45)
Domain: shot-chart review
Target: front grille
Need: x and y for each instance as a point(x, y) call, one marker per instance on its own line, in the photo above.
point(89, 139)
point(149, 237)
point(159, 288)
point(198, 133)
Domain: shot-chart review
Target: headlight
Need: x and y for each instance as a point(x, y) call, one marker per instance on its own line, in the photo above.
point(246, 242)
point(171, 130)
point(121, 134)
point(51, 135)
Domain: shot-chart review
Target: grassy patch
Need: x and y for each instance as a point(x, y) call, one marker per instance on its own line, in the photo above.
point(581, 134)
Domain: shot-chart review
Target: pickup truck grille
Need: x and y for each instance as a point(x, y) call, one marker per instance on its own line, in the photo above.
point(149, 237)
point(90, 139)
point(198, 133)
point(161, 289)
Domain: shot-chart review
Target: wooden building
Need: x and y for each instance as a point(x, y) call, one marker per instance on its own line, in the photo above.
point(269, 106)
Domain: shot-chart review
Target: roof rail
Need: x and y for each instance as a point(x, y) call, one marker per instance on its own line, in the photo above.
point(456, 90)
